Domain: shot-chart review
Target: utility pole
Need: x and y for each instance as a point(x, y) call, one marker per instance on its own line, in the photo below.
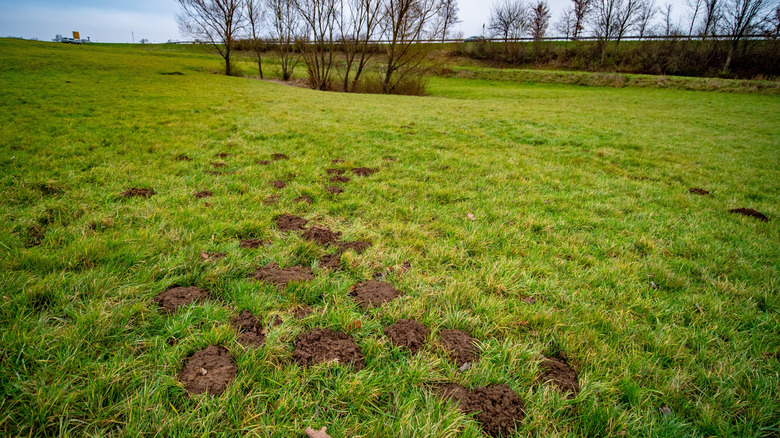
point(133, 35)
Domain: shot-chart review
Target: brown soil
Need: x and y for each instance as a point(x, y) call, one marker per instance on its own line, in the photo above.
point(214, 172)
point(336, 161)
point(250, 329)
point(364, 171)
point(454, 392)
point(358, 246)
point(278, 184)
point(175, 297)
point(140, 193)
point(222, 155)
point(460, 345)
point(277, 157)
point(305, 198)
point(273, 274)
point(697, 191)
point(334, 171)
point(271, 199)
point(561, 375)
point(408, 333)
point(750, 212)
point(213, 255)
point(321, 235)
point(331, 261)
point(498, 409)
point(334, 190)
point(374, 293)
point(182, 157)
point(263, 162)
point(203, 194)
point(216, 165)
point(209, 370)
point(251, 243)
point(288, 222)
point(323, 345)
point(339, 179)
point(302, 312)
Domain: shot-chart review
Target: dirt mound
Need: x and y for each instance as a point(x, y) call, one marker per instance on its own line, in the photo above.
point(140, 193)
point(263, 162)
point(203, 194)
point(213, 255)
point(460, 345)
point(305, 198)
point(302, 312)
point(333, 171)
point(750, 212)
point(277, 157)
point(334, 190)
point(173, 298)
point(278, 184)
point(336, 161)
point(182, 157)
point(454, 392)
point(209, 370)
point(273, 274)
point(407, 333)
point(374, 293)
point(697, 191)
point(339, 179)
point(251, 243)
point(221, 155)
point(217, 165)
point(364, 171)
point(358, 246)
point(250, 329)
point(321, 235)
point(331, 261)
point(288, 222)
point(498, 409)
point(561, 375)
point(323, 345)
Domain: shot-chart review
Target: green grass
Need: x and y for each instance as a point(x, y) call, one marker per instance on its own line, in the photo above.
point(548, 171)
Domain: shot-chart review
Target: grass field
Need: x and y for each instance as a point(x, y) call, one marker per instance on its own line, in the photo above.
point(544, 220)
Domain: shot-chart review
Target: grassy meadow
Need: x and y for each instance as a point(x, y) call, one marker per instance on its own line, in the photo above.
point(543, 219)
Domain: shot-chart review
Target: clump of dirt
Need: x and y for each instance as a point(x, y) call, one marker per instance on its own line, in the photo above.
point(271, 199)
point(697, 191)
point(217, 165)
point(203, 194)
point(175, 297)
point(288, 222)
point(263, 162)
point(407, 333)
point(209, 370)
point(561, 375)
point(302, 312)
point(750, 212)
point(251, 243)
point(358, 246)
point(336, 161)
point(498, 409)
point(222, 155)
point(323, 345)
point(321, 235)
point(334, 190)
point(334, 171)
point(281, 277)
point(250, 329)
point(208, 256)
point(134, 192)
point(364, 171)
point(374, 293)
point(339, 179)
point(182, 157)
point(460, 345)
point(278, 184)
point(454, 392)
point(305, 199)
point(277, 157)
point(331, 261)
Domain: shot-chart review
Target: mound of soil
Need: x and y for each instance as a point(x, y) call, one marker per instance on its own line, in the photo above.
point(750, 212)
point(209, 370)
point(288, 222)
point(250, 329)
point(273, 274)
point(334, 171)
point(561, 375)
point(339, 179)
point(697, 191)
point(374, 293)
point(134, 192)
point(203, 194)
point(173, 298)
point(263, 162)
point(278, 184)
point(321, 235)
point(213, 255)
point(305, 198)
point(336, 161)
point(271, 199)
point(407, 333)
point(460, 345)
point(182, 157)
point(358, 246)
point(454, 392)
point(222, 155)
point(498, 409)
point(217, 165)
point(334, 190)
point(302, 312)
point(277, 157)
point(364, 171)
point(331, 261)
point(323, 345)
point(251, 243)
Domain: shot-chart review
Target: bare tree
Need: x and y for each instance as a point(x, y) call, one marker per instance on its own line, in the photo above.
point(666, 17)
point(713, 14)
point(741, 18)
point(645, 14)
point(613, 18)
point(507, 20)
point(215, 21)
point(695, 7)
point(357, 29)
point(255, 16)
point(284, 31)
point(321, 20)
point(565, 25)
point(581, 10)
point(447, 17)
point(627, 18)
point(538, 20)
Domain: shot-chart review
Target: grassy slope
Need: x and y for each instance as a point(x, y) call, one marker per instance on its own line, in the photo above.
point(543, 168)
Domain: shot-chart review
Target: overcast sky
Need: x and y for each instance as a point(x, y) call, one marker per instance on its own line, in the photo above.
point(119, 21)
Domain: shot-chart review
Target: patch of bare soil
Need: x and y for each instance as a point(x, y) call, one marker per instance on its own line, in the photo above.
point(182, 157)
point(374, 293)
point(358, 246)
point(331, 261)
point(454, 392)
point(222, 155)
point(364, 171)
point(305, 199)
point(498, 409)
point(339, 179)
point(750, 212)
point(302, 312)
point(263, 162)
point(251, 243)
point(209, 370)
point(561, 375)
point(334, 190)
point(218, 165)
point(697, 191)
point(278, 184)
point(334, 171)
point(281, 277)
point(175, 297)
point(324, 345)
point(214, 172)
point(209, 256)
point(288, 222)
point(336, 161)
point(321, 235)
point(251, 332)
point(277, 157)
point(460, 345)
point(203, 194)
point(134, 192)
point(407, 333)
